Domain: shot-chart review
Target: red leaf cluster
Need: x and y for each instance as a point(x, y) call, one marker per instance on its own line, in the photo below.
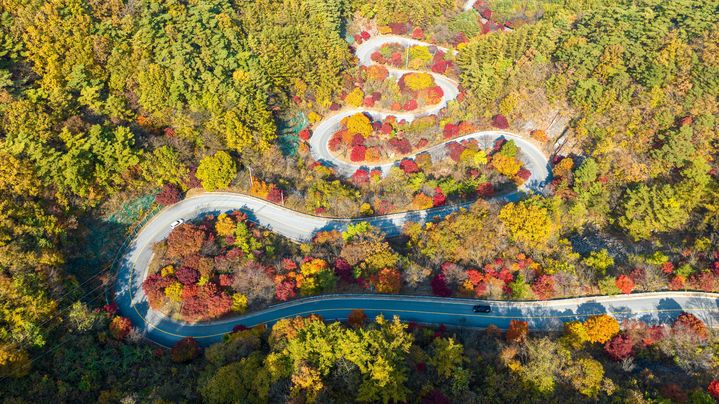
point(358, 153)
point(409, 166)
point(500, 121)
point(619, 347)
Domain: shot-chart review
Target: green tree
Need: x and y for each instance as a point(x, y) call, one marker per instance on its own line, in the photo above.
point(245, 381)
point(216, 171)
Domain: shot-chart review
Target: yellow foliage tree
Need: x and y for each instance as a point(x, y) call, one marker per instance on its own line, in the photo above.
point(359, 123)
point(421, 201)
point(601, 328)
point(507, 166)
point(575, 335)
point(174, 292)
point(528, 222)
point(418, 81)
point(225, 226)
point(355, 97)
point(239, 303)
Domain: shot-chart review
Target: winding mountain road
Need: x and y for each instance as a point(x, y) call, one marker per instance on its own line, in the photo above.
point(548, 315)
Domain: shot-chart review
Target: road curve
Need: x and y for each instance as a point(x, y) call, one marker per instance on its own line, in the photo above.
point(548, 315)
point(132, 303)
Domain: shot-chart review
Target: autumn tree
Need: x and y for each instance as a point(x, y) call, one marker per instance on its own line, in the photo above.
point(529, 221)
point(216, 171)
point(601, 328)
point(517, 331)
point(185, 350)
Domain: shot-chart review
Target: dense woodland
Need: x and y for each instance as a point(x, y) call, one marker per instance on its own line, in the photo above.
point(107, 103)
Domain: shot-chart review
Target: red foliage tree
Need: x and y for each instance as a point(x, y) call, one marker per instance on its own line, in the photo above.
point(485, 189)
point(305, 134)
point(500, 121)
point(386, 128)
point(625, 284)
point(713, 389)
point(168, 195)
point(435, 92)
point(450, 130)
point(285, 290)
point(274, 195)
point(439, 66)
point(704, 280)
point(439, 198)
point(674, 392)
point(185, 350)
point(401, 145)
point(187, 276)
point(409, 166)
point(687, 322)
point(360, 177)
point(335, 142)
point(619, 347)
point(439, 286)
point(343, 270)
point(365, 35)
point(154, 286)
point(417, 33)
point(410, 105)
point(358, 140)
point(398, 28)
point(455, 150)
point(523, 174)
point(358, 153)
point(677, 283)
point(543, 287)
point(435, 396)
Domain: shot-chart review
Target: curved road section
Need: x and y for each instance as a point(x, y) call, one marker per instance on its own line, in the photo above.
point(547, 315)
point(656, 307)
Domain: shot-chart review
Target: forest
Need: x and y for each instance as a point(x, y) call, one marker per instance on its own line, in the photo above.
point(113, 110)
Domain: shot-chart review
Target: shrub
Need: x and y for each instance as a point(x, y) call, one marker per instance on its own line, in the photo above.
point(185, 350)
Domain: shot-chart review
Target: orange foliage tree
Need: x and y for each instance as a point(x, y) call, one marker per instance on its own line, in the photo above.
point(517, 331)
point(357, 318)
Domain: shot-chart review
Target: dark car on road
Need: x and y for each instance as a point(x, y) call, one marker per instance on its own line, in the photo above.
point(481, 308)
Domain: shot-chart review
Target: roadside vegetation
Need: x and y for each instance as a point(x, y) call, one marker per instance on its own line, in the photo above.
point(106, 103)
